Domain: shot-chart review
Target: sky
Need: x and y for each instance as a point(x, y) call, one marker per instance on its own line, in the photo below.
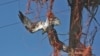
point(15, 40)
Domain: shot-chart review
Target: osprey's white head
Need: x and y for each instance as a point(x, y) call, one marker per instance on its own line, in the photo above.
point(55, 21)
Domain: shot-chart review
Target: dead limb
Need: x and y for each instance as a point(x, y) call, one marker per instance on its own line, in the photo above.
point(54, 40)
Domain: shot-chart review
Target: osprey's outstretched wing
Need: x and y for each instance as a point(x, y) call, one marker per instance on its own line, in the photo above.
point(30, 26)
point(26, 22)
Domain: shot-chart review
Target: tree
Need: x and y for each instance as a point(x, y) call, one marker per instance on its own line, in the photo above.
point(76, 47)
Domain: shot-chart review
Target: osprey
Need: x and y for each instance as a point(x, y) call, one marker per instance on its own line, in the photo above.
point(36, 26)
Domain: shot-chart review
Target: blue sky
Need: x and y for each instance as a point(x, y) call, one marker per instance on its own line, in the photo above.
point(15, 40)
